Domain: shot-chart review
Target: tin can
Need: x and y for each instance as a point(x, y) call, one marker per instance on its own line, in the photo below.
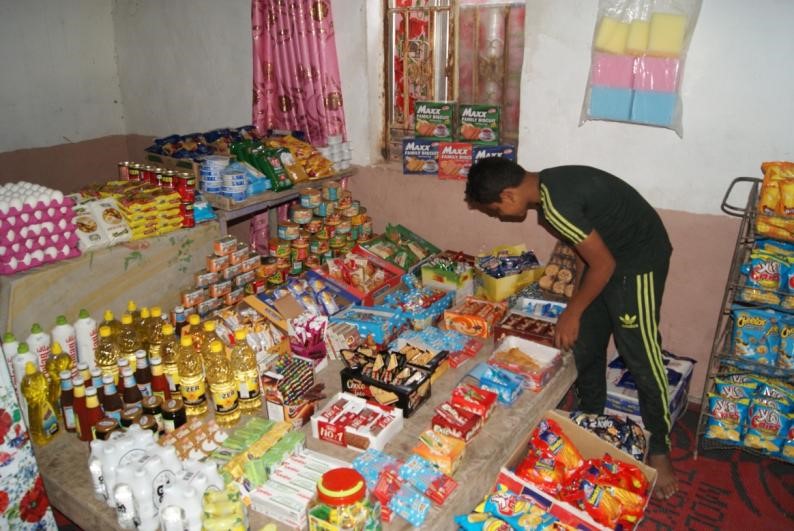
point(336, 241)
point(345, 199)
point(310, 197)
point(288, 230)
point(167, 180)
point(282, 262)
point(299, 252)
point(300, 215)
point(312, 261)
point(314, 225)
point(267, 268)
point(331, 191)
point(188, 219)
point(353, 209)
point(278, 247)
point(344, 227)
point(355, 230)
point(134, 172)
point(124, 170)
point(279, 278)
point(324, 232)
point(158, 175)
point(366, 228)
point(256, 287)
point(296, 268)
point(318, 245)
point(325, 208)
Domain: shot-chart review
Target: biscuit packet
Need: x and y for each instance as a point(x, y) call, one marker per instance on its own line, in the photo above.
point(90, 233)
point(109, 217)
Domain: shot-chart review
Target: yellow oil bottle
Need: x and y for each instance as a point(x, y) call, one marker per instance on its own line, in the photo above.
point(42, 421)
point(57, 362)
point(223, 385)
point(191, 378)
point(246, 372)
point(107, 354)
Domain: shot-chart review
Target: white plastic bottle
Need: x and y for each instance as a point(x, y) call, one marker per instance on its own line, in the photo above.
point(85, 330)
point(63, 333)
point(95, 468)
point(20, 360)
point(10, 347)
point(39, 343)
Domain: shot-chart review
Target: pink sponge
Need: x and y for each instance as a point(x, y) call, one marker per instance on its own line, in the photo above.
point(659, 74)
point(610, 70)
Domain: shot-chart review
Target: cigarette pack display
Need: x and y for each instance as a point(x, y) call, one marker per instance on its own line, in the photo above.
point(349, 420)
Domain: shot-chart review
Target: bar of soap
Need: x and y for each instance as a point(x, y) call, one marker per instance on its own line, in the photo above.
point(654, 108)
point(637, 40)
point(608, 103)
point(610, 70)
point(666, 34)
point(659, 74)
point(611, 36)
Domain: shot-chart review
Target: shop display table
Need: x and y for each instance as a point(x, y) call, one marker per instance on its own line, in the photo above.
point(151, 271)
point(228, 210)
point(64, 462)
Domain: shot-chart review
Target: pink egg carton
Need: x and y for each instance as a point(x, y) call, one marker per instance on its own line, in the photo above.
point(53, 211)
point(20, 247)
point(37, 258)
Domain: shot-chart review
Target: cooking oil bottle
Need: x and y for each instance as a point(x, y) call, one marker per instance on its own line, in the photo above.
point(223, 385)
point(210, 337)
point(142, 327)
point(132, 309)
point(246, 372)
point(42, 420)
point(196, 332)
point(110, 320)
point(191, 378)
point(169, 350)
point(128, 340)
point(107, 354)
point(154, 332)
point(59, 361)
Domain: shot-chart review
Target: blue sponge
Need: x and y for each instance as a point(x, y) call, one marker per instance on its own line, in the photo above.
point(608, 103)
point(655, 108)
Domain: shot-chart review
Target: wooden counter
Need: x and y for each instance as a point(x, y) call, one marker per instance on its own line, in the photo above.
point(64, 462)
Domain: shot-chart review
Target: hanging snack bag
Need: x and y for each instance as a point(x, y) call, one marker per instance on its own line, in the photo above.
point(756, 334)
point(726, 418)
point(766, 276)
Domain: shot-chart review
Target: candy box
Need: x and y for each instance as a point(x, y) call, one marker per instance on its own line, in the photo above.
point(450, 271)
point(474, 317)
point(519, 325)
point(390, 276)
point(536, 363)
point(479, 124)
point(406, 397)
point(473, 399)
point(505, 384)
point(383, 324)
point(434, 119)
point(423, 356)
point(590, 446)
point(456, 422)
point(420, 156)
point(348, 420)
point(445, 452)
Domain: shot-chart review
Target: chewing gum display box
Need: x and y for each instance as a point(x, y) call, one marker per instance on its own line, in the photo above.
point(590, 446)
point(407, 398)
point(420, 156)
point(479, 124)
point(454, 160)
point(488, 152)
point(350, 421)
point(434, 120)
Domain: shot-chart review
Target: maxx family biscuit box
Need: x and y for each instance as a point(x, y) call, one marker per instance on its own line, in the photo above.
point(420, 156)
point(434, 119)
point(454, 160)
point(479, 124)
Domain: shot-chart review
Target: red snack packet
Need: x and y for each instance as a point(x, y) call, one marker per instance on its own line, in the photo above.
point(549, 439)
point(545, 472)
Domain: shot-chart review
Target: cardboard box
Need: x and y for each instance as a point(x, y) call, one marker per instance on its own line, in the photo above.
point(479, 123)
point(486, 152)
point(437, 366)
point(406, 398)
point(187, 165)
point(548, 360)
point(434, 119)
point(517, 324)
point(298, 414)
point(462, 282)
point(420, 156)
point(589, 446)
point(446, 461)
point(401, 247)
point(625, 401)
point(454, 160)
point(328, 424)
point(474, 317)
point(382, 323)
point(393, 275)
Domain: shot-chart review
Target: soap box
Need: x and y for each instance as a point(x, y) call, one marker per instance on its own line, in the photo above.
point(420, 156)
point(454, 160)
point(434, 119)
point(479, 123)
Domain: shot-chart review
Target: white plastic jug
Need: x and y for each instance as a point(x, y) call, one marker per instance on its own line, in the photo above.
point(85, 329)
point(23, 357)
point(39, 343)
point(64, 334)
point(10, 347)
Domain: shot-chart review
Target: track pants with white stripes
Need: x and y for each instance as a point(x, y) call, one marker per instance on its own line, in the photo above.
point(627, 308)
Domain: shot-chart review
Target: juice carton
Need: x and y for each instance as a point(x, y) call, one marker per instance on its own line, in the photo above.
point(434, 119)
point(479, 124)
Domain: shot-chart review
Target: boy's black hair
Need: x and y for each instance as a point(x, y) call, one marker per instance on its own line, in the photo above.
point(488, 177)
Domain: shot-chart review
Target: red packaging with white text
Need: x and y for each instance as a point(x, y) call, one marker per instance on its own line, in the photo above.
point(454, 160)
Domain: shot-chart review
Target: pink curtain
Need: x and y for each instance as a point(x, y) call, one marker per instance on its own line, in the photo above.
point(296, 71)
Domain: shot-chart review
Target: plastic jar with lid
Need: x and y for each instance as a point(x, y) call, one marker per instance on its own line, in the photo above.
point(343, 501)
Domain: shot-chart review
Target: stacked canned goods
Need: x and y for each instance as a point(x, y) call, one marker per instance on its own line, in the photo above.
point(183, 182)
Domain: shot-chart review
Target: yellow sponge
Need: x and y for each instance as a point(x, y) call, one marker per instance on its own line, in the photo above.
point(637, 41)
point(666, 35)
point(611, 36)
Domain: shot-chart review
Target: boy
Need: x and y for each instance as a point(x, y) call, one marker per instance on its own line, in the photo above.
point(626, 253)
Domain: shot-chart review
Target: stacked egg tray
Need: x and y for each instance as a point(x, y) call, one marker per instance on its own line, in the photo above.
point(36, 227)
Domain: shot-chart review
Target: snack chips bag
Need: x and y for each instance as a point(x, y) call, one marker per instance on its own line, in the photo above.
point(519, 512)
point(785, 354)
point(481, 522)
point(726, 418)
point(766, 274)
point(544, 472)
point(734, 391)
point(787, 451)
point(549, 439)
point(756, 335)
point(766, 428)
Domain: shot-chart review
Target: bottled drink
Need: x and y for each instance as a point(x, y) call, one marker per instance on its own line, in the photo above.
point(112, 322)
point(87, 336)
point(191, 378)
point(223, 386)
point(142, 327)
point(43, 423)
point(111, 401)
point(132, 395)
point(246, 372)
point(128, 340)
point(195, 331)
point(93, 411)
point(10, 349)
point(159, 381)
point(24, 355)
point(83, 430)
point(122, 363)
point(96, 382)
point(180, 319)
point(64, 333)
point(210, 337)
point(143, 377)
point(107, 353)
point(39, 343)
point(154, 332)
point(85, 373)
point(169, 350)
point(59, 361)
point(67, 401)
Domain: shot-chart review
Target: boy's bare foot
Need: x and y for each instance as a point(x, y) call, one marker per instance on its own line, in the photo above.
point(666, 483)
